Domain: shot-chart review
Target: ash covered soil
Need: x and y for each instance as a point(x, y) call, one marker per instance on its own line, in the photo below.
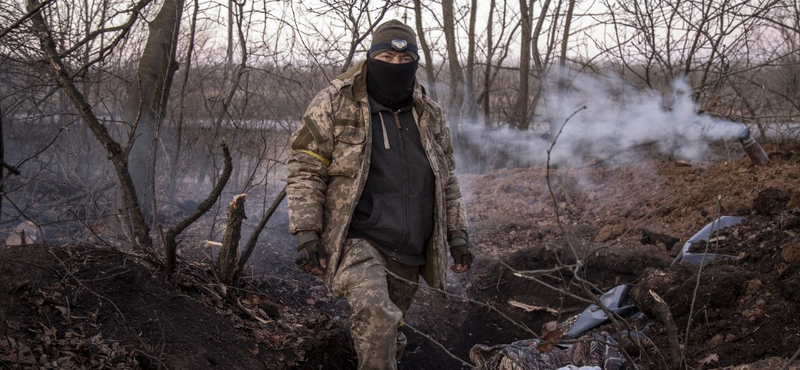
point(89, 306)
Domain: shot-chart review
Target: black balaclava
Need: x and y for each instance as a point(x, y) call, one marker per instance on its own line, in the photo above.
point(389, 84)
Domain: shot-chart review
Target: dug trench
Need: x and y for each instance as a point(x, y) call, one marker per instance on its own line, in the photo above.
point(93, 307)
point(626, 224)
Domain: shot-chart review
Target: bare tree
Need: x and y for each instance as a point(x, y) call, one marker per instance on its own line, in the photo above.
point(470, 106)
point(115, 151)
point(521, 106)
point(540, 65)
point(562, 70)
point(494, 45)
point(456, 74)
point(487, 72)
point(356, 12)
point(426, 50)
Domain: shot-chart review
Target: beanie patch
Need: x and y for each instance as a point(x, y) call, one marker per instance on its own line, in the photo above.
point(399, 44)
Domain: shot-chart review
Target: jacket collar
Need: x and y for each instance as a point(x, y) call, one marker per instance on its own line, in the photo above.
point(374, 107)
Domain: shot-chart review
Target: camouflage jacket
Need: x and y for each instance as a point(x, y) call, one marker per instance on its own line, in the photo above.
point(330, 162)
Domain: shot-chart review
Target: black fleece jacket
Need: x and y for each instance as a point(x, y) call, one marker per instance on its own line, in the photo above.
point(395, 211)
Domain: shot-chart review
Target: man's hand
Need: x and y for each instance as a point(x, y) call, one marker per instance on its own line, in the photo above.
point(462, 255)
point(310, 254)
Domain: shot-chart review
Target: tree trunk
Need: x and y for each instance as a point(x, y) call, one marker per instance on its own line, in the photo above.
point(555, 126)
point(539, 64)
point(426, 50)
point(456, 75)
point(487, 73)
point(179, 124)
point(471, 106)
point(2, 160)
point(148, 95)
point(521, 106)
point(229, 252)
point(537, 56)
point(562, 90)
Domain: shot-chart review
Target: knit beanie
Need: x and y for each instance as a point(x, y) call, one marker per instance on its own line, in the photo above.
point(394, 35)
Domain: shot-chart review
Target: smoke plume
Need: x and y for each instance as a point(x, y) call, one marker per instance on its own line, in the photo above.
point(618, 117)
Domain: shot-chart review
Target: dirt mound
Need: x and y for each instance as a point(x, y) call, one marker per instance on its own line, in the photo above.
point(84, 307)
point(745, 306)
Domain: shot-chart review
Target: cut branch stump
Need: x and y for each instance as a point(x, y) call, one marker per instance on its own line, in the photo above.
point(228, 261)
point(662, 309)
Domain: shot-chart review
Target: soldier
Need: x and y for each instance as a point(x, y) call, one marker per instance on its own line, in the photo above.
point(372, 193)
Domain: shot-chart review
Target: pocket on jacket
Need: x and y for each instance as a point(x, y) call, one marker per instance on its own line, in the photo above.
point(420, 209)
point(361, 224)
point(348, 151)
point(385, 223)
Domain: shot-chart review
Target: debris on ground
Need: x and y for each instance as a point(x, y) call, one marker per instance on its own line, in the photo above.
point(594, 350)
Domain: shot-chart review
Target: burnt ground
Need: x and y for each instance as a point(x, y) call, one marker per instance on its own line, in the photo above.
point(89, 307)
point(92, 307)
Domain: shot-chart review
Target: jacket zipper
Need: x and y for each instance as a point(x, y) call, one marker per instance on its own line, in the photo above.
point(404, 161)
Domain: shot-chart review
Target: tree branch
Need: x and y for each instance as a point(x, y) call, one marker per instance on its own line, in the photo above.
point(251, 243)
point(170, 245)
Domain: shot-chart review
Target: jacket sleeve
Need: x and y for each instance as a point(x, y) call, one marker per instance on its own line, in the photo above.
point(456, 213)
point(307, 182)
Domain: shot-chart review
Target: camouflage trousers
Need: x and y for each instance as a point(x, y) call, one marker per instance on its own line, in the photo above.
point(378, 301)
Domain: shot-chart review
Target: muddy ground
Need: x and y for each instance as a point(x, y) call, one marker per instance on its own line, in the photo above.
point(90, 306)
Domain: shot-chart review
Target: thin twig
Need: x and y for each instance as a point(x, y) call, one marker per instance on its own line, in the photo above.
point(11, 168)
point(518, 273)
point(90, 229)
point(153, 358)
point(616, 320)
point(794, 357)
point(25, 17)
point(546, 271)
point(66, 269)
point(110, 276)
point(549, 184)
point(466, 363)
point(718, 224)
